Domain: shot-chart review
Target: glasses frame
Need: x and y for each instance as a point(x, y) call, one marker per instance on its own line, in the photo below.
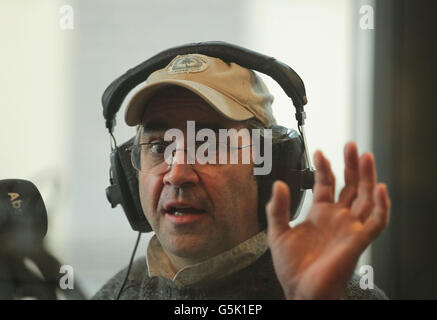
point(130, 149)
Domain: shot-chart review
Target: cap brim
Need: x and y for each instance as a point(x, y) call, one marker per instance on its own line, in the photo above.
point(226, 106)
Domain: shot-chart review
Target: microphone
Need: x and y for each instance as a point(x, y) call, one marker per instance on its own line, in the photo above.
point(23, 217)
point(23, 226)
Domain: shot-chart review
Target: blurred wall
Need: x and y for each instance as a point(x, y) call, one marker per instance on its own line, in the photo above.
point(404, 122)
point(35, 105)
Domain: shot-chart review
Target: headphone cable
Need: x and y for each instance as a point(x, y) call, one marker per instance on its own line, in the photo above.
point(129, 267)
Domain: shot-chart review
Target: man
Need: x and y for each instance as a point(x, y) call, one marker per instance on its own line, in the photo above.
point(209, 241)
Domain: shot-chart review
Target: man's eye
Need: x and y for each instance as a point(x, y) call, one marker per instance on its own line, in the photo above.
point(157, 148)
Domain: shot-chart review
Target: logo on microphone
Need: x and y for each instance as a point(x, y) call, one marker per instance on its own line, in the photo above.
point(15, 202)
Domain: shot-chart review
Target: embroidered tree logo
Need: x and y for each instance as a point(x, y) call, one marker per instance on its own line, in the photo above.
point(185, 64)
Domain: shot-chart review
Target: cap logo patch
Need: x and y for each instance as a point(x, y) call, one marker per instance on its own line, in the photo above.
point(187, 64)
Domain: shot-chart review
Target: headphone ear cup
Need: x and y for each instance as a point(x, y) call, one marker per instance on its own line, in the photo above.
point(288, 156)
point(291, 160)
point(124, 187)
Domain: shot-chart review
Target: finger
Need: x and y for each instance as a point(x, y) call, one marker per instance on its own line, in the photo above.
point(380, 215)
point(363, 204)
point(351, 175)
point(324, 184)
point(367, 174)
point(278, 210)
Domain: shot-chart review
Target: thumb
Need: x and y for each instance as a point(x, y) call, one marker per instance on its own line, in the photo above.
point(278, 210)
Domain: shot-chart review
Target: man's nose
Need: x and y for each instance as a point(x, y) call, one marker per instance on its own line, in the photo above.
point(180, 173)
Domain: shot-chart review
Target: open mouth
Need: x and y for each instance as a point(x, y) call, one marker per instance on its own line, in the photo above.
point(185, 211)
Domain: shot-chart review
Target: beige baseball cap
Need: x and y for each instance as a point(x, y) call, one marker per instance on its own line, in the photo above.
point(235, 92)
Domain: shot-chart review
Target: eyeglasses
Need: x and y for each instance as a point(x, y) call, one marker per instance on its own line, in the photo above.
point(158, 157)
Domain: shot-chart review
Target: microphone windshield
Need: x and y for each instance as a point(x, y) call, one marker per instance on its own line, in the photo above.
point(23, 216)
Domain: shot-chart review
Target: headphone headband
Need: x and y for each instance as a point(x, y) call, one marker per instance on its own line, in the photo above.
point(287, 78)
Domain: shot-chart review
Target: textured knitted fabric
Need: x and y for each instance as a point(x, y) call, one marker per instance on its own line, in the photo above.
point(257, 281)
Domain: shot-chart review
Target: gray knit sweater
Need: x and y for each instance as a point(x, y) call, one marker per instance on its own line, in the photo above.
point(257, 281)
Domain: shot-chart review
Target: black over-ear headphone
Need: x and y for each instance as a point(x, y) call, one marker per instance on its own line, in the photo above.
point(291, 162)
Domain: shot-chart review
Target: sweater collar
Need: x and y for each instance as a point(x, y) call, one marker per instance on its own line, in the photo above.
point(214, 268)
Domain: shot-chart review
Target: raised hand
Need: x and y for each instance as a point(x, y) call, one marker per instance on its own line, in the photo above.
point(316, 258)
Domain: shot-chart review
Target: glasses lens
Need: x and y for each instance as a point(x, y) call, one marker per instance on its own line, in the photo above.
point(136, 157)
point(148, 158)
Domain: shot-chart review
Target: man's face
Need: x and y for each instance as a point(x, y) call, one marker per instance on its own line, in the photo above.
point(219, 202)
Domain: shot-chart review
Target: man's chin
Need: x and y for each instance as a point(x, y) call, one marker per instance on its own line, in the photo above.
point(190, 247)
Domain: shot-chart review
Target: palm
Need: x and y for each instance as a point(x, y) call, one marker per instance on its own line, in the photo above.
point(315, 259)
